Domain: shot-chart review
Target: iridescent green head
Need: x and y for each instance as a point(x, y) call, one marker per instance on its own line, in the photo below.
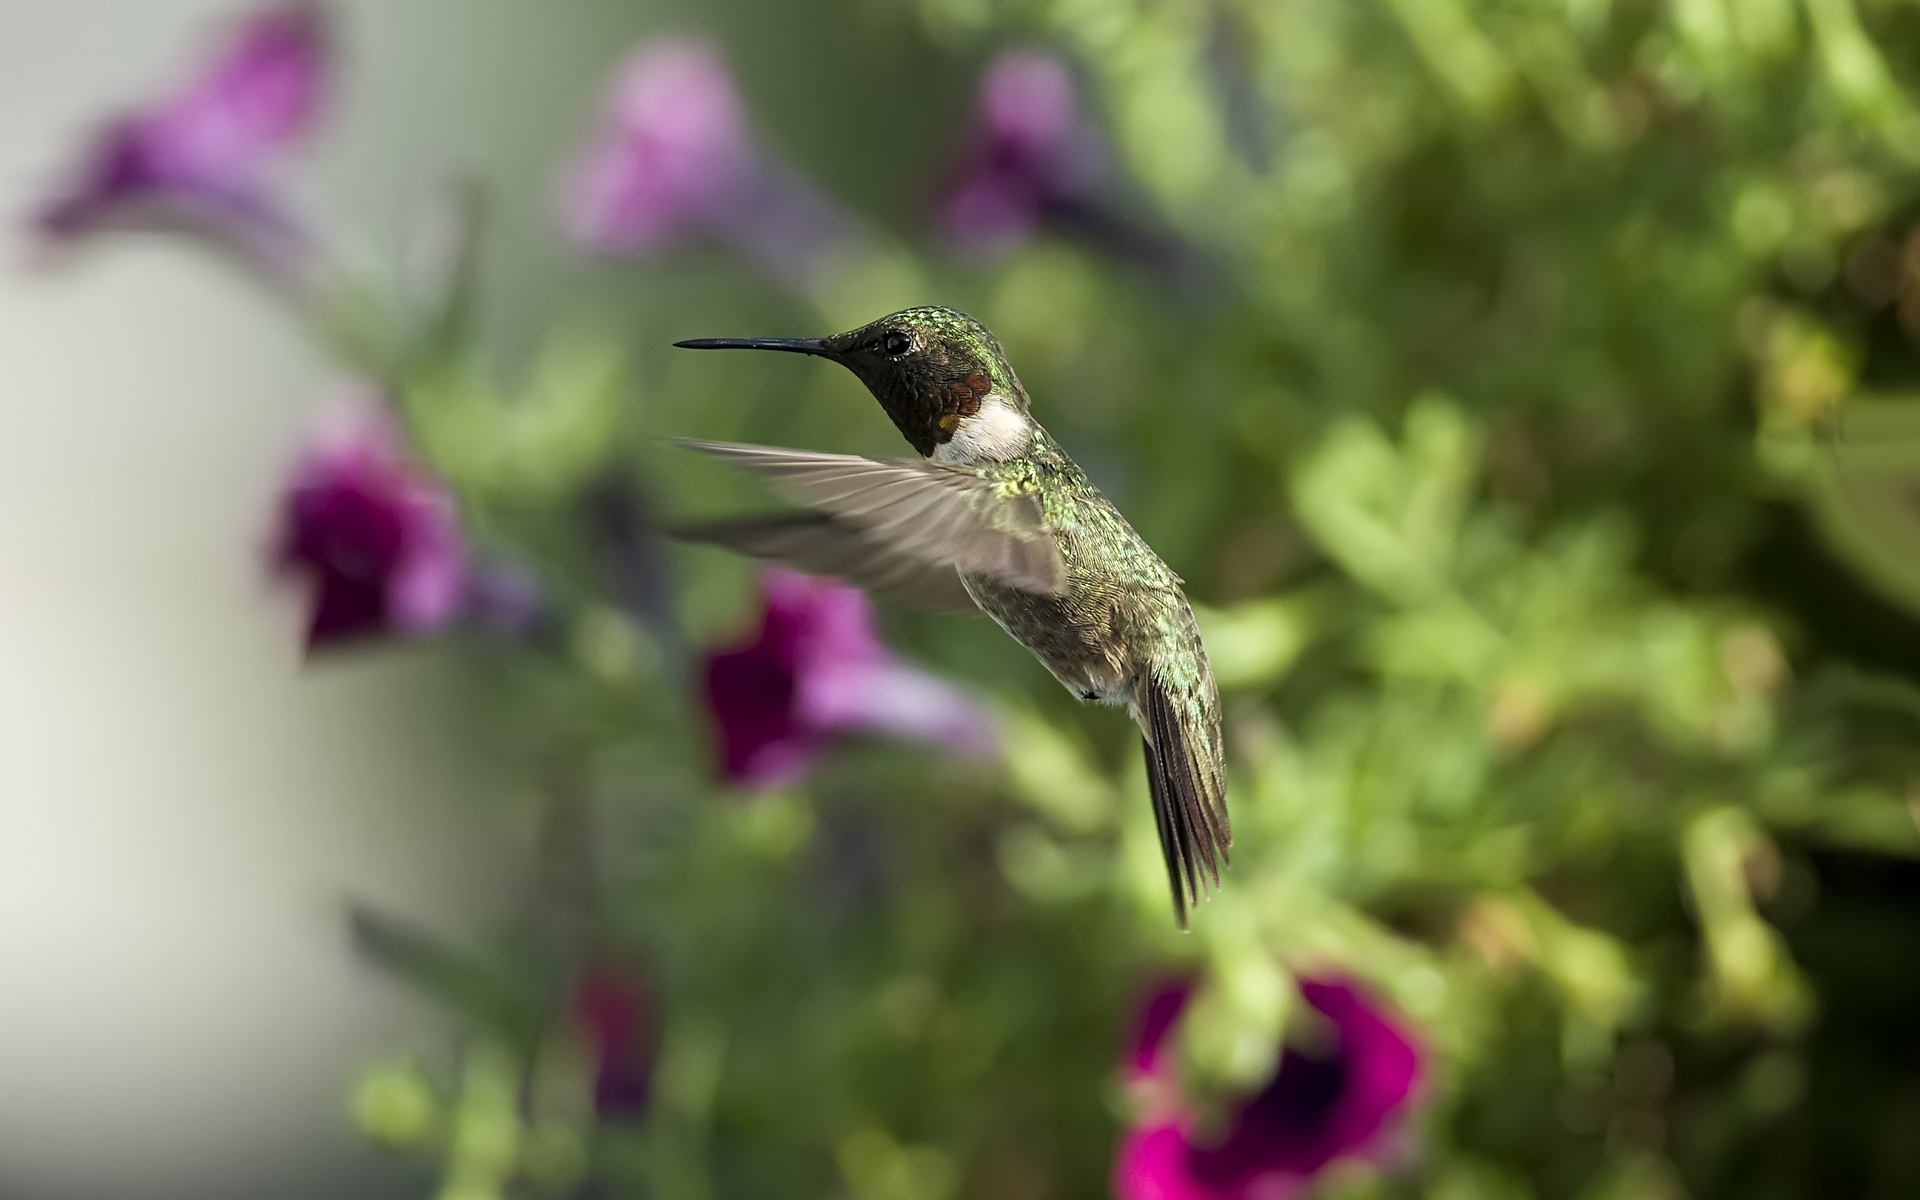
point(931, 368)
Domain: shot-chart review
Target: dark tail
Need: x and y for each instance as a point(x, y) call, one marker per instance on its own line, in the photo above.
point(1187, 775)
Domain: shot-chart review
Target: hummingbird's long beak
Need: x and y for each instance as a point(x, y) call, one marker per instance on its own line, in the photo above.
point(791, 345)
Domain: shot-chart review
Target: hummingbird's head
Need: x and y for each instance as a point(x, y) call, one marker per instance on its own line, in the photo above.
point(940, 375)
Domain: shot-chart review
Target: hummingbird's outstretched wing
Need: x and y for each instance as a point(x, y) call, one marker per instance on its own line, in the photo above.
point(942, 516)
point(1184, 771)
point(822, 544)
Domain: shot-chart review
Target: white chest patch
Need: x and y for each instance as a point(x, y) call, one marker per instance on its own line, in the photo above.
point(997, 432)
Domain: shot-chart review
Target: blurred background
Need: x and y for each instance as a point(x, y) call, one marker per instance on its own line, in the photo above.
point(1524, 391)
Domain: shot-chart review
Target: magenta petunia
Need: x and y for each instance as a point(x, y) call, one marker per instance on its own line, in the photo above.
point(1159, 1012)
point(610, 1006)
point(1343, 1101)
point(201, 158)
point(1027, 154)
point(673, 159)
point(816, 668)
point(375, 536)
point(671, 146)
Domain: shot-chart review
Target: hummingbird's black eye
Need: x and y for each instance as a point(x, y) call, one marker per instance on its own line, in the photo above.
point(896, 343)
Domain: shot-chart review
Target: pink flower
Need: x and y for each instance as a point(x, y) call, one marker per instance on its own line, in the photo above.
point(200, 158)
point(671, 146)
point(673, 158)
point(1345, 1102)
point(815, 669)
point(374, 535)
point(1159, 1013)
point(1027, 155)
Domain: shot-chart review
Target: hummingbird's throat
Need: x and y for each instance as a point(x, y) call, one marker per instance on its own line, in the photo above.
point(960, 400)
point(994, 431)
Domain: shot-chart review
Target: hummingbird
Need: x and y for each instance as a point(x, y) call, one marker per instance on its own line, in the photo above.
point(993, 516)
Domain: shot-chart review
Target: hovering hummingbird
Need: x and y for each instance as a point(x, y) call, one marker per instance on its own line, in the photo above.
point(995, 516)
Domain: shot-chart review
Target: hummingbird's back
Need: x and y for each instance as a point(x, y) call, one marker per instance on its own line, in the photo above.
point(1121, 605)
point(1120, 631)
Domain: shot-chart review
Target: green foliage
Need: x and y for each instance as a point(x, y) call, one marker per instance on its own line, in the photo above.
point(533, 448)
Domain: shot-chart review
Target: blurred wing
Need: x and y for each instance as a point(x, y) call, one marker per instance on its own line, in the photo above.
point(821, 544)
point(936, 514)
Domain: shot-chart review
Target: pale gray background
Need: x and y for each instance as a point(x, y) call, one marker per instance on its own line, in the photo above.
point(183, 803)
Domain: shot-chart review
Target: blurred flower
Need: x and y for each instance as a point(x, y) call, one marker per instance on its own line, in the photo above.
point(1029, 160)
point(816, 668)
point(373, 532)
point(611, 1009)
point(1316, 1109)
point(671, 146)
point(673, 157)
point(1158, 1014)
point(197, 160)
point(1027, 156)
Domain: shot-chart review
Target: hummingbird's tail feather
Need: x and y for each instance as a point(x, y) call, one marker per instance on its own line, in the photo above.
point(1188, 782)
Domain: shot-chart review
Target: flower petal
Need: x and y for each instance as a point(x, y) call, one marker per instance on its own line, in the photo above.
point(1159, 1015)
point(377, 537)
point(1383, 1064)
point(429, 584)
point(898, 700)
point(1317, 1109)
point(1026, 154)
point(262, 95)
point(197, 160)
point(671, 147)
point(816, 668)
point(849, 680)
point(752, 690)
point(763, 742)
point(1150, 1164)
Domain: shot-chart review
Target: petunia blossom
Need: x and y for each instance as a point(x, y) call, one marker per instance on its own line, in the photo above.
point(373, 534)
point(201, 158)
point(672, 158)
point(610, 1007)
point(814, 669)
point(1160, 1012)
point(1027, 156)
point(1343, 1102)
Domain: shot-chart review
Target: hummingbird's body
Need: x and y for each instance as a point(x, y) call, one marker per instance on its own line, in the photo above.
point(998, 517)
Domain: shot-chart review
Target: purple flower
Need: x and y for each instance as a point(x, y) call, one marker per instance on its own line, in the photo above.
point(611, 1009)
point(1027, 156)
point(1343, 1102)
point(814, 669)
point(673, 158)
point(199, 158)
point(374, 534)
point(672, 145)
point(1159, 1013)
